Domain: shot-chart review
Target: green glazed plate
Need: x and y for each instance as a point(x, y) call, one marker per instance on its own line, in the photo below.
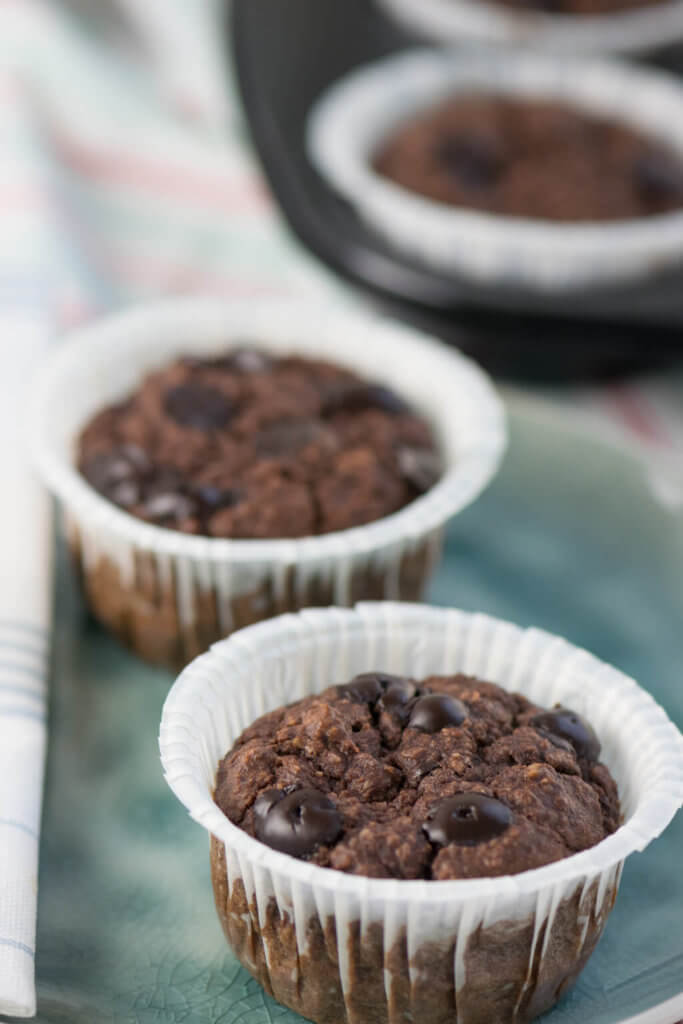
point(568, 538)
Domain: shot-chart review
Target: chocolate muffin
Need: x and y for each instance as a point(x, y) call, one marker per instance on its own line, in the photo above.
point(392, 784)
point(249, 445)
point(532, 158)
point(582, 8)
point(449, 778)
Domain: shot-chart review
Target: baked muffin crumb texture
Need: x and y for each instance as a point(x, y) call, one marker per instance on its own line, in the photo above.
point(536, 158)
point(249, 445)
point(449, 778)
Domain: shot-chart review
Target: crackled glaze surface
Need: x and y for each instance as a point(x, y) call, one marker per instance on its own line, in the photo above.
point(127, 930)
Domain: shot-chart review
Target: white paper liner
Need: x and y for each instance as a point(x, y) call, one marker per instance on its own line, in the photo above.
point(103, 363)
point(352, 118)
point(273, 663)
point(637, 31)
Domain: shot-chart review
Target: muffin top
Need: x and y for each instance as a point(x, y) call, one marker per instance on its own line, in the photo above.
point(531, 158)
point(448, 778)
point(582, 8)
point(249, 445)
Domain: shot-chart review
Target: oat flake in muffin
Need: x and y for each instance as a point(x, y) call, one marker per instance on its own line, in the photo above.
point(449, 778)
point(249, 445)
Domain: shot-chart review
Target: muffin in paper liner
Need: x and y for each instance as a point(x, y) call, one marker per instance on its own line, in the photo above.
point(169, 595)
point(638, 30)
point(338, 947)
point(355, 115)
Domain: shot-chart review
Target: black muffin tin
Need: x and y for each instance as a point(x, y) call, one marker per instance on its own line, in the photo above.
point(286, 52)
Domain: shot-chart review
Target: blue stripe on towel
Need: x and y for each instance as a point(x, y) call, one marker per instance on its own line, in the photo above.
point(13, 944)
point(29, 627)
point(23, 691)
point(35, 652)
point(35, 671)
point(37, 716)
point(11, 823)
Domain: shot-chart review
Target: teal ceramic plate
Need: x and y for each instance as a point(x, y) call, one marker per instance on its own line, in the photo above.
point(569, 539)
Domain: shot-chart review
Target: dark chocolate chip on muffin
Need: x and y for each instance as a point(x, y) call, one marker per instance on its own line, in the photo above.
point(532, 158)
point(250, 445)
point(447, 778)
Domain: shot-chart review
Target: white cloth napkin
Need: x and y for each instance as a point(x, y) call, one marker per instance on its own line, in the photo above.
point(25, 547)
point(124, 175)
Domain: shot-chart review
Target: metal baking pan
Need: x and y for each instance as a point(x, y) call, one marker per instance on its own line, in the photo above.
point(285, 55)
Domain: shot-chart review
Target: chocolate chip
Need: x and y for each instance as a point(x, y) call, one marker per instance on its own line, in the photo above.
point(164, 480)
point(476, 163)
point(107, 470)
point(290, 436)
point(364, 689)
point(379, 397)
point(213, 497)
point(436, 711)
point(358, 397)
point(467, 819)
point(296, 822)
point(368, 687)
point(248, 360)
point(419, 466)
point(658, 177)
point(138, 458)
point(169, 507)
point(393, 694)
point(567, 725)
point(196, 362)
point(194, 405)
point(551, 6)
point(397, 696)
point(126, 494)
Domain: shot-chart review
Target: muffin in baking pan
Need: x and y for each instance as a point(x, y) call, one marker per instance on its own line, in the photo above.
point(560, 26)
point(511, 168)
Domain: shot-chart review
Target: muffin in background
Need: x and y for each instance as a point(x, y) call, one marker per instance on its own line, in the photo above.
point(519, 157)
point(169, 593)
point(253, 446)
point(475, 206)
point(583, 27)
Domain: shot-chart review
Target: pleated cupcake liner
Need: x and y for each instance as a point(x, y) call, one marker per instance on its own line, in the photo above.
point(330, 944)
point(640, 30)
point(168, 594)
point(356, 114)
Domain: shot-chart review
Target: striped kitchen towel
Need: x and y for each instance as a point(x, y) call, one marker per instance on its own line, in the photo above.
point(25, 547)
point(642, 415)
point(123, 176)
point(25, 589)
